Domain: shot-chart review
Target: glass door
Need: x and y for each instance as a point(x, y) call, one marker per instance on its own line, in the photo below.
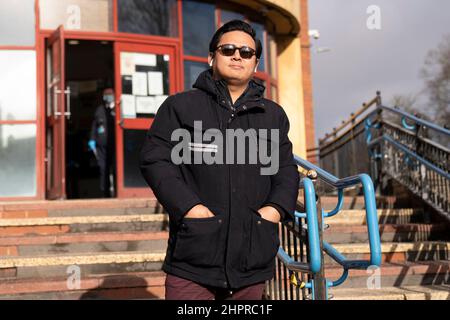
point(55, 117)
point(145, 77)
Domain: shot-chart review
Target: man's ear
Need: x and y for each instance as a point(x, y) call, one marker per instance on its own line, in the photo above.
point(210, 60)
point(256, 66)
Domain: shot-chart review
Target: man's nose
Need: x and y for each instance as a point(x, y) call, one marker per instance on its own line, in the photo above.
point(236, 55)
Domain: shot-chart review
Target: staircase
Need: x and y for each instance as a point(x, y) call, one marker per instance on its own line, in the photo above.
point(116, 246)
point(415, 251)
point(119, 247)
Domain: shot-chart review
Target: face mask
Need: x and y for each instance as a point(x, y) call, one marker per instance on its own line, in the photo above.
point(108, 98)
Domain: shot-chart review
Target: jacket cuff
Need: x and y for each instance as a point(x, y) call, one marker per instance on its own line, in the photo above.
point(280, 210)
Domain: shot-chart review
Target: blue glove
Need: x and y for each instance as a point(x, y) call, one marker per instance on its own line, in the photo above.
point(92, 145)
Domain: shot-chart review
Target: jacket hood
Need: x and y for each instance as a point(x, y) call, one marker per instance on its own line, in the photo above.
point(219, 89)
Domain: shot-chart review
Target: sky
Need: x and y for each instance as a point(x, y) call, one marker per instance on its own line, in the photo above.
point(362, 60)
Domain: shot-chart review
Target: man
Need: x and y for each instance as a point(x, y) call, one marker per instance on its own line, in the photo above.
point(223, 229)
point(102, 139)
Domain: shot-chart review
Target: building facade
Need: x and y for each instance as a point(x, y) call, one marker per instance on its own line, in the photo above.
point(56, 56)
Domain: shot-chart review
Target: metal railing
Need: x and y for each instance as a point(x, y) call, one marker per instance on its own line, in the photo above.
point(300, 260)
point(389, 143)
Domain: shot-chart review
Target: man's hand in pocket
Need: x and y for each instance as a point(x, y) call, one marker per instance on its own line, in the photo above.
point(270, 213)
point(199, 211)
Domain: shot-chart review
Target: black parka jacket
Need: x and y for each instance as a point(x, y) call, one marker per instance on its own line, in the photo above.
point(236, 247)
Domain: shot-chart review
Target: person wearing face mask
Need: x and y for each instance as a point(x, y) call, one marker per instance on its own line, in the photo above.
point(102, 138)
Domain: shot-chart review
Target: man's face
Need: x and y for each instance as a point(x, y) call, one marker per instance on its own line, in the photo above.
point(108, 97)
point(234, 69)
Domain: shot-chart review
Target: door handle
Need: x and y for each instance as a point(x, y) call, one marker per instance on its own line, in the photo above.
point(67, 93)
point(56, 113)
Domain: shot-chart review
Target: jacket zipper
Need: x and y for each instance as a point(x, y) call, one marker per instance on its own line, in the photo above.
point(230, 192)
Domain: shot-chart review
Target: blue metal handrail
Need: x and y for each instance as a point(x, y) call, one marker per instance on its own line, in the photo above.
point(410, 153)
point(313, 233)
point(310, 215)
point(369, 199)
point(405, 115)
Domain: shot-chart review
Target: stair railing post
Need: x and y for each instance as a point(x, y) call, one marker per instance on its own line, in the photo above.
point(379, 161)
point(336, 155)
point(352, 138)
point(319, 285)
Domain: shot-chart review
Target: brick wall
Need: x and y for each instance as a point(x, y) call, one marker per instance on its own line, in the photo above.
point(307, 81)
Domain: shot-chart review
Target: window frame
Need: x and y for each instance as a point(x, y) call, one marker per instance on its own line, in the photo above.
point(37, 121)
point(270, 80)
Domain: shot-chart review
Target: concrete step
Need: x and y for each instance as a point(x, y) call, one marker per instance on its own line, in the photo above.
point(355, 202)
point(83, 242)
point(396, 252)
point(385, 216)
point(58, 225)
point(64, 208)
point(341, 233)
point(432, 292)
point(42, 267)
point(396, 274)
point(132, 285)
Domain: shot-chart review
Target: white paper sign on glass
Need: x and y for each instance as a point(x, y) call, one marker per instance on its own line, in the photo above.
point(139, 84)
point(146, 105)
point(145, 59)
point(127, 65)
point(155, 83)
point(128, 106)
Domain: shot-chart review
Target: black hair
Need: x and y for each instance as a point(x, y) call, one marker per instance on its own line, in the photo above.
point(235, 25)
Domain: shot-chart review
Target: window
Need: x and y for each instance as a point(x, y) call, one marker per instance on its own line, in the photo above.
point(198, 27)
point(192, 70)
point(17, 23)
point(17, 160)
point(152, 17)
point(226, 16)
point(17, 85)
point(145, 83)
point(17, 141)
point(272, 56)
point(132, 144)
point(259, 28)
point(92, 15)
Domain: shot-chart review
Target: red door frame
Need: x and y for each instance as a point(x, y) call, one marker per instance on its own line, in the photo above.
point(165, 45)
point(115, 36)
point(56, 119)
point(138, 123)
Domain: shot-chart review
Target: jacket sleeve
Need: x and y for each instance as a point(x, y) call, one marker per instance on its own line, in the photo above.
point(157, 168)
point(93, 134)
point(285, 183)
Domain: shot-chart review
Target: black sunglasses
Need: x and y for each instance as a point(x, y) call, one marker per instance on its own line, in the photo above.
point(228, 50)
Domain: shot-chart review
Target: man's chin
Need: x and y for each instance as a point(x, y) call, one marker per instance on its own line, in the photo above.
point(236, 80)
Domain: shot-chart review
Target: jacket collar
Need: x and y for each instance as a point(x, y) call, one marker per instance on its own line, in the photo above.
point(252, 95)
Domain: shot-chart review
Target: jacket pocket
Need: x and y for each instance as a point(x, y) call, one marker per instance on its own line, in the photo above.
point(263, 242)
point(198, 241)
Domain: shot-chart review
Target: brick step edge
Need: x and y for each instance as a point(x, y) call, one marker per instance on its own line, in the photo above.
point(108, 281)
point(395, 269)
point(66, 238)
point(7, 206)
point(388, 228)
point(431, 292)
point(81, 259)
point(59, 221)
